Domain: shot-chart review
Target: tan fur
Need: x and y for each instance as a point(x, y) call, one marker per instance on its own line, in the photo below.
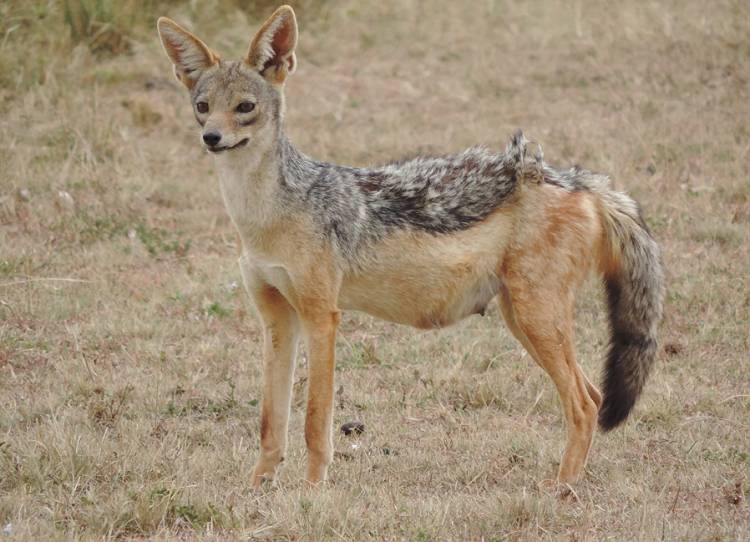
point(280, 331)
point(540, 278)
point(429, 281)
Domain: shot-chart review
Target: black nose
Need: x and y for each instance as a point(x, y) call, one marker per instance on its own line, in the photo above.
point(211, 138)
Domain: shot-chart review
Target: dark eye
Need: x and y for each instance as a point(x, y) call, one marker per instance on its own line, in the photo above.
point(245, 107)
point(202, 107)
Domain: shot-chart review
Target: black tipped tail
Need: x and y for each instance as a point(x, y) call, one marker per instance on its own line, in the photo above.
point(634, 283)
point(631, 354)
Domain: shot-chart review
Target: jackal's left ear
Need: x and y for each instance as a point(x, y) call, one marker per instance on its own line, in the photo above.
point(189, 55)
point(272, 49)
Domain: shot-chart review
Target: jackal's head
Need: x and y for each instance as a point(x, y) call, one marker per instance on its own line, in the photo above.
point(238, 102)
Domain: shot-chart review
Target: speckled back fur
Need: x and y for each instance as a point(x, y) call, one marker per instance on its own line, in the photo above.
point(438, 194)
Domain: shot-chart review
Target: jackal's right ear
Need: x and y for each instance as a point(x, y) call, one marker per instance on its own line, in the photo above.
point(272, 49)
point(189, 55)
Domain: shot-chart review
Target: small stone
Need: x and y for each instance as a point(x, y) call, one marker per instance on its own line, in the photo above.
point(65, 200)
point(353, 427)
point(24, 194)
point(8, 528)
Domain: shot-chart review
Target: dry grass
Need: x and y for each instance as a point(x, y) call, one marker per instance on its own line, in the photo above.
point(129, 359)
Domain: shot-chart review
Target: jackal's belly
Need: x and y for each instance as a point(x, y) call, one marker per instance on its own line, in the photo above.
point(428, 281)
point(425, 302)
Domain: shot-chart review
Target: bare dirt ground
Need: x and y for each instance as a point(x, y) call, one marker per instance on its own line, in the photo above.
point(129, 356)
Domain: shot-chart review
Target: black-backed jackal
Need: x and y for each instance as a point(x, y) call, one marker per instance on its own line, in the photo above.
point(423, 242)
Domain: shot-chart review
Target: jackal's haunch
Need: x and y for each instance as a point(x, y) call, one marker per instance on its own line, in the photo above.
point(423, 242)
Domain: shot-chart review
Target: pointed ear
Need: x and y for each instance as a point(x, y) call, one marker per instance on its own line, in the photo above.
point(189, 55)
point(272, 49)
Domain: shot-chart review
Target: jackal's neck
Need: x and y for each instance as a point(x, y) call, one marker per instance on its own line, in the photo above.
point(298, 171)
point(267, 182)
point(250, 183)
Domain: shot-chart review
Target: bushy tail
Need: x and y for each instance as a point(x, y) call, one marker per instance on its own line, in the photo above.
point(634, 280)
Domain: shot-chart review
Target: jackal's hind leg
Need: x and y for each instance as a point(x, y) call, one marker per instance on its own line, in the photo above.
point(506, 308)
point(542, 323)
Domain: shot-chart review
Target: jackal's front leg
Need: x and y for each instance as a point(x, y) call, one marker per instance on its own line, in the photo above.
point(320, 335)
point(280, 338)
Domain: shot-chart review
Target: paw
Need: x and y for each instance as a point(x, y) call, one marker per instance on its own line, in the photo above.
point(316, 474)
point(259, 480)
point(264, 473)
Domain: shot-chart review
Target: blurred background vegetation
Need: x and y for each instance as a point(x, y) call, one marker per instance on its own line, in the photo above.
point(36, 35)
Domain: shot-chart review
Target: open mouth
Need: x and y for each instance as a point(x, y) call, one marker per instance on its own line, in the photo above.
point(242, 143)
